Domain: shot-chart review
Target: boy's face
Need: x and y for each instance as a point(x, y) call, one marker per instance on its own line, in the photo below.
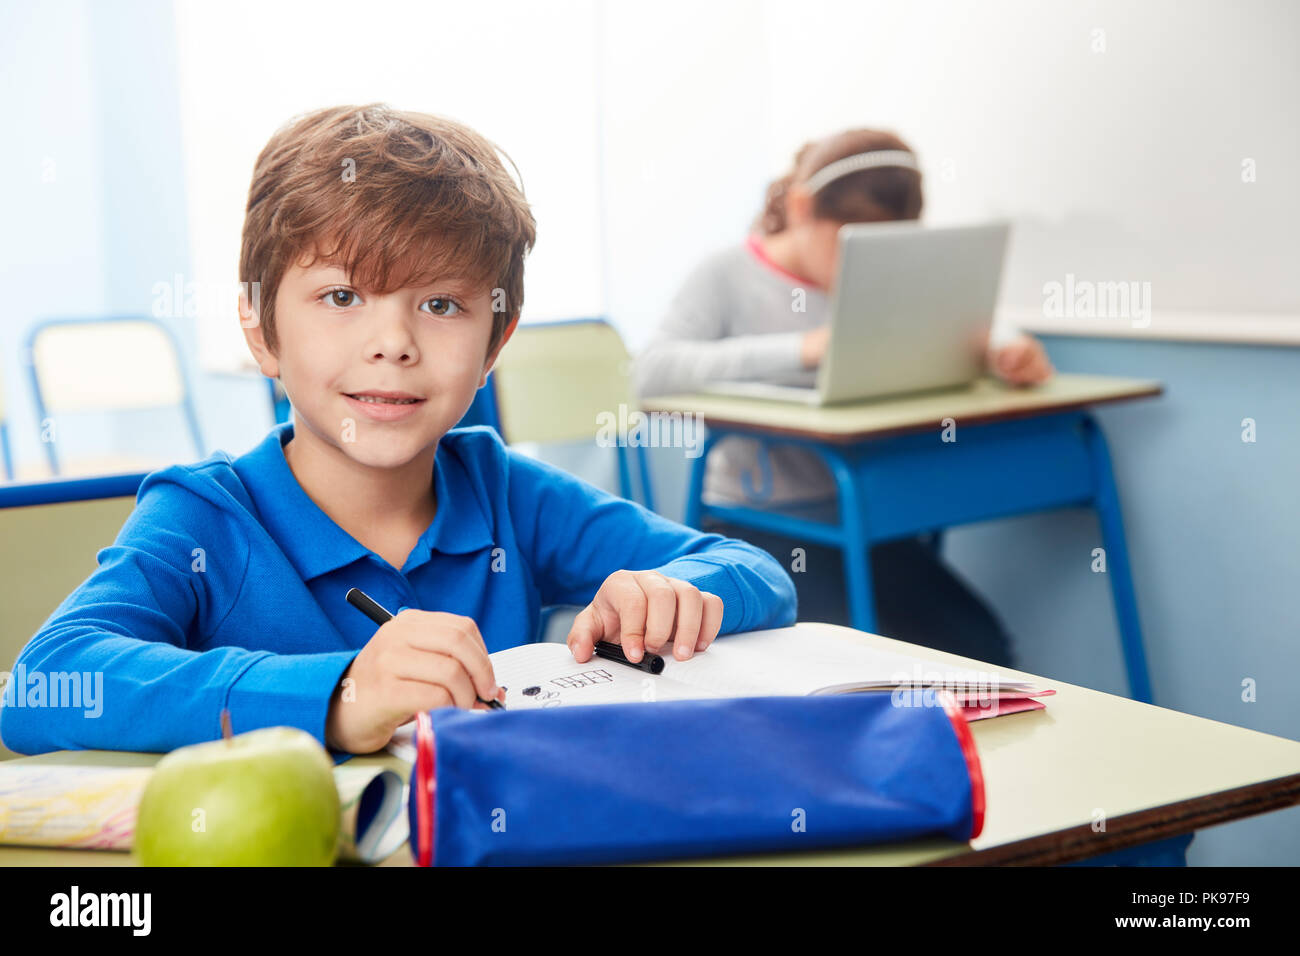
point(336, 341)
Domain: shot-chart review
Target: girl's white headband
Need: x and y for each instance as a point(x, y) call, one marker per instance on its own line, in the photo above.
point(852, 164)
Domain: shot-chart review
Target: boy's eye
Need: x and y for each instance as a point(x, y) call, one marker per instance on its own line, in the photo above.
point(441, 305)
point(340, 297)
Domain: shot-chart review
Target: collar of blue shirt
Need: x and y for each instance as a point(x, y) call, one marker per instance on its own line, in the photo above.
point(316, 545)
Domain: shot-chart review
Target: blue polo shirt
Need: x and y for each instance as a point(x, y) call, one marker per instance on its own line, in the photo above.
point(225, 588)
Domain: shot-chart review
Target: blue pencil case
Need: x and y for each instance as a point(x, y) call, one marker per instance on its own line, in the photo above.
point(693, 778)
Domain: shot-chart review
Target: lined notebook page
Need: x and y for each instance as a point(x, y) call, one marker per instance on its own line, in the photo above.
point(805, 659)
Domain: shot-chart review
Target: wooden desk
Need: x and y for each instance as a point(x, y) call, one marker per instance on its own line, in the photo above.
point(984, 402)
point(1156, 774)
point(922, 463)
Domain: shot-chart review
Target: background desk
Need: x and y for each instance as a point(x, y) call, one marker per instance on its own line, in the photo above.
point(922, 463)
point(1155, 774)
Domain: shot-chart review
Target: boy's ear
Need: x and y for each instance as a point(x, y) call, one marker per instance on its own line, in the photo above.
point(250, 323)
point(491, 360)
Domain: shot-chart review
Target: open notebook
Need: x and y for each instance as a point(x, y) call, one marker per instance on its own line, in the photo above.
point(805, 659)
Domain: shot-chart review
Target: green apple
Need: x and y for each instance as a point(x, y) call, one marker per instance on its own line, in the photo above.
point(262, 798)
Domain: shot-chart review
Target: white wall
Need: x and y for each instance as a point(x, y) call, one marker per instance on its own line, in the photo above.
point(53, 261)
point(520, 73)
point(1112, 133)
point(1121, 165)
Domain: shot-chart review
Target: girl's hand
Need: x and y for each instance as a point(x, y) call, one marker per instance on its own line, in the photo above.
point(1022, 361)
point(643, 611)
point(813, 349)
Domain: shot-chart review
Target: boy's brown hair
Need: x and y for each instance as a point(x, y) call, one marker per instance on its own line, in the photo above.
point(393, 197)
point(878, 194)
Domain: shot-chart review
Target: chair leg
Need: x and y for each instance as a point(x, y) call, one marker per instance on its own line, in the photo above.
point(8, 454)
point(50, 454)
point(695, 492)
point(1117, 564)
point(624, 475)
point(192, 419)
point(647, 491)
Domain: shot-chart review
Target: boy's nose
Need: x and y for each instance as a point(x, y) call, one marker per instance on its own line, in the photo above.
point(392, 340)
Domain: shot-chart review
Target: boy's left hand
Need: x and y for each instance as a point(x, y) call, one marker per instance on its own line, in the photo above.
point(643, 611)
point(1022, 361)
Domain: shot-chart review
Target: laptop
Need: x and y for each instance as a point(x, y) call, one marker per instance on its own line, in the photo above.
point(911, 311)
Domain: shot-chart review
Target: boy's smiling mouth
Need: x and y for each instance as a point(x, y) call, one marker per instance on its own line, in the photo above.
point(387, 398)
point(384, 406)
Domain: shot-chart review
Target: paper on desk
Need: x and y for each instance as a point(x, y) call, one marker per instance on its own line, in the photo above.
point(87, 808)
point(382, 829)
point(94, 808)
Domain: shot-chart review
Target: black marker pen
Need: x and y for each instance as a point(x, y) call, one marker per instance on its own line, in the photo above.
point(379, 614)
point(650, 663)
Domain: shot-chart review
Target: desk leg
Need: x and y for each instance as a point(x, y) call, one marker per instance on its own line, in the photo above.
point(857, 564)
point(1117, 566)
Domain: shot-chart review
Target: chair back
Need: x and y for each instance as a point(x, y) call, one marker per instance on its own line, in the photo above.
point(553, 378)
point(105, 364)
point(52, 532)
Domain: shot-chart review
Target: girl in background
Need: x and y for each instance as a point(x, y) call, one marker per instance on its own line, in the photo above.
point(737, 318)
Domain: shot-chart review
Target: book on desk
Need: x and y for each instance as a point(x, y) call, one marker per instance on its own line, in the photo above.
point(808, 659)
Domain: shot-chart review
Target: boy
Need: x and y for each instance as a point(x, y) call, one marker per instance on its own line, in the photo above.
point(387, 251)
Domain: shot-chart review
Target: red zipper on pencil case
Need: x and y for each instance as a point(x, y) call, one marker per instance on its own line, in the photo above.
point(967, 743)
point(424, 783)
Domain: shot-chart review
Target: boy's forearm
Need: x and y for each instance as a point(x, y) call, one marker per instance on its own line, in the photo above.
point(153, 697)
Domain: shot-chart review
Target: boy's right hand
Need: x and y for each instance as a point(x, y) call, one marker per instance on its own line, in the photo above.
point(417, 660)
point(813, 349)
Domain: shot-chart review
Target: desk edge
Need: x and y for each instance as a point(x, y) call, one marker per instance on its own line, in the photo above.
point(1135, 829)
point(1152, 390)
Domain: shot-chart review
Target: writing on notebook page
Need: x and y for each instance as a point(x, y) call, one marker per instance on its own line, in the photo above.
point(548, 676)
point(585, 679)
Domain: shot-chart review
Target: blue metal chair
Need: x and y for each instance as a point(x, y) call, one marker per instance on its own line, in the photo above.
point(553, 379)
point(25, 494)
point(67, 368)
